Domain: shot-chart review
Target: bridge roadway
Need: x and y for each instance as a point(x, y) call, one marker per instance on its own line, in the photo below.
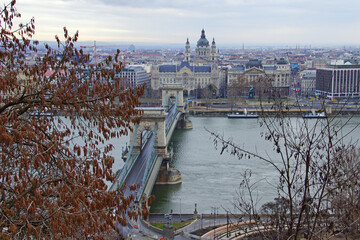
point(171, 121)
point(134, 177)
point(134, 172)
point(145, 166)
point(137, 171)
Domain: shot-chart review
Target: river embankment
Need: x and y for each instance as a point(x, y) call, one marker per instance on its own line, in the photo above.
point(292, 112)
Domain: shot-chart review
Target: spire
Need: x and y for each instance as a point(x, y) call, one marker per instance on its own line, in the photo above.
point(213, 42)
point(203, 33)
point(187, 50)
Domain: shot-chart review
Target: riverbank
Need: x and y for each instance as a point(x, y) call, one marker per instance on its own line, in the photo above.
point(296, 112)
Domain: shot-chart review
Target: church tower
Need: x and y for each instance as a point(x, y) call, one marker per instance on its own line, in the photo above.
point(213, 50)
point(203, 48)
point(187, 51)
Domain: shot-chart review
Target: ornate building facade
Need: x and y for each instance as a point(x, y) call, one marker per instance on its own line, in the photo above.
point(279, 73)
point(192, 74)
point(308, 84)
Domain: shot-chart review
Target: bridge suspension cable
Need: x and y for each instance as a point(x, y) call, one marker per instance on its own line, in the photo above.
point(119, 180)
point(150, 162)
point(164, 100)
point(172, 114)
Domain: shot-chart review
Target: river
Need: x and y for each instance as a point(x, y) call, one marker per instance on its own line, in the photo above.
point(210, 179)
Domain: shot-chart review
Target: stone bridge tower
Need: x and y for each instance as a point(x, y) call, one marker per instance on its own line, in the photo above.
point(173, 91)
point(157, 115)
point(150, 117)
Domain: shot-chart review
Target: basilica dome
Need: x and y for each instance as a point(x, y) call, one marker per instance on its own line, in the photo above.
point(202, 42)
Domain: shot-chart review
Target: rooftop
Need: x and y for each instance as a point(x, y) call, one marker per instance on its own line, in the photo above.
point(176, 68)
point(254, 63)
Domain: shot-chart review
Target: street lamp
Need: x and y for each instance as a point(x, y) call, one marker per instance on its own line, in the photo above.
point(213, 211)
point(227, 224)
point(168, 218)
point(180, 210)
point(171, 217)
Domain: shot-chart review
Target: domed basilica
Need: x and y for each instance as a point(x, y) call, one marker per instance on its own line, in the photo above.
point(194, 72)
point(204, 54)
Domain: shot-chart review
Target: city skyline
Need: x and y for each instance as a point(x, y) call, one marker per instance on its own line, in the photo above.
point(230, 22)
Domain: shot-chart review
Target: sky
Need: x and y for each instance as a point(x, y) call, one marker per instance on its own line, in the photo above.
point(236, 22)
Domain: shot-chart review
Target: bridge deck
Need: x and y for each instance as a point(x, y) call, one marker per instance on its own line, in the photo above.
point(137, 171)
point(134, 172)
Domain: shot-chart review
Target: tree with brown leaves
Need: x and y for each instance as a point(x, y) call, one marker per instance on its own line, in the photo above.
point(55, 118)
point(235, 90)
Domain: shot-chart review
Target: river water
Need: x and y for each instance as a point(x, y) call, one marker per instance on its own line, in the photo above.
point(208, 178)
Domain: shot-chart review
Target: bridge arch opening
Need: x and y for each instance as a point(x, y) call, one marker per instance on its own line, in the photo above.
point(144, 136)
point(175, 90)
point(172, 99)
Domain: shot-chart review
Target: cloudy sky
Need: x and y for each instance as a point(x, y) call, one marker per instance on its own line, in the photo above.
point(172, 21)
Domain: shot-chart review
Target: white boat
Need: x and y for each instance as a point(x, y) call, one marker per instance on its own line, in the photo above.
point(313, 114)
point(244, 115)
point(38, 113)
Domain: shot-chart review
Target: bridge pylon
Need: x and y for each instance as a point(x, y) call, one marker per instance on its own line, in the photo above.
point(151, 115)
point(172, 91)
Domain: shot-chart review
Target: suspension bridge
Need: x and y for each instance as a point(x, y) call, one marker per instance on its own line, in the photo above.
point(149, 142)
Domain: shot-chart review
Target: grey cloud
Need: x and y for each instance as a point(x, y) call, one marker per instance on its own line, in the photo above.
point(176, 4)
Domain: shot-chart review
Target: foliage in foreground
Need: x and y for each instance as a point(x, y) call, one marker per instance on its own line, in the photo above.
point(53, 169)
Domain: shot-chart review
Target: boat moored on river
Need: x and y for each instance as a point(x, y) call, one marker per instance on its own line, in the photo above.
point(245, 114)
point(313, 114)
